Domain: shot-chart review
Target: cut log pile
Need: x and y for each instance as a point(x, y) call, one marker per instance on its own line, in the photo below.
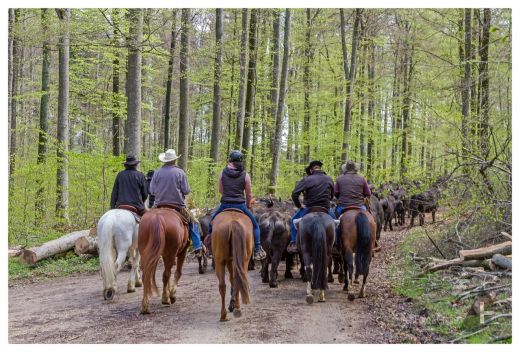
point(493, 258)
point(87, 244)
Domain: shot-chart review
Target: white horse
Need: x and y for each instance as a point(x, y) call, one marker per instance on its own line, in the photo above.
point(117, 236)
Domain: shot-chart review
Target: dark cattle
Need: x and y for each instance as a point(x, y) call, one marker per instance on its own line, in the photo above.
point(401, 205)
point(388, 205)
point(274, 235)
point(377, 212)
point(425, 202)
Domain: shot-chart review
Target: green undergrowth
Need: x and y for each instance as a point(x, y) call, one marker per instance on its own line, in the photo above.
point(434, 295)
point(54, 267)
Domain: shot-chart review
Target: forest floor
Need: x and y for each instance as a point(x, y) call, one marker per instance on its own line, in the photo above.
point(72, 310)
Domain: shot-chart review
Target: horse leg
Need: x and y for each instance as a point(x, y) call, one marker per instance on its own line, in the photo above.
point(275, 261)
point(201, 270)
point(330, 278)
point(137, 263)
point(131, 279)
point(303, 272)
point(177, 275)
point(220, 271)
point(168, 264)
point(288, 263)
point(308, 273)
point(234, 302)
point(322, 296)
point(264, 271)
point(145, 304)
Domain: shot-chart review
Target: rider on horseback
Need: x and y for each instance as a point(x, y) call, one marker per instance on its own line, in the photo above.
point(170, 186)
point(351, 189)
point(317, 188)
point(129, 191)
point(232, 184)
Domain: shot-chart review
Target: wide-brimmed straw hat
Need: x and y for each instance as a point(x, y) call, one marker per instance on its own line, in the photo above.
point(131, 160)
point(169, 155)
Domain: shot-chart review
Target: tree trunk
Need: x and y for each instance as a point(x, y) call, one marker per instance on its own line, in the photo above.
point(350, 85)
point(44, 111)
point(407, 78)
point(467, 74)
point(372, 118)
point(14, 92)
point(275, 72)
point(484, 84)
point(184, 119)
point(239, 130)
point(281, 102)
point(250, 94)
point(307, 88)
point(10, 59)
point(169, 82)
point(116, 106)
point(60, 245)
point(62, 192)
point(133, 138)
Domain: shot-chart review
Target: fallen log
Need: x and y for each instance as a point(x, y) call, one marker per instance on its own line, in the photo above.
point(486, 252)
point(86, 245)
point(453, 262)
point(14, 251)
point(60, 245)
point(502, 262)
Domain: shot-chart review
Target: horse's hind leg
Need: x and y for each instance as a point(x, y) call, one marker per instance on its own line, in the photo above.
point(134, 255)
point(288, 262)
point(330, 278)
point(362, 291)
point(220, 271)
point(177, 275)
point(137, 264)
point(322, 296)
point(168, 264)
point(275, 261)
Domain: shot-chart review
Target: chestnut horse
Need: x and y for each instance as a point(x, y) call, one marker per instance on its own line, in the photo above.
point(315, 240)
point(232, 246)
point(358, 235)
point(162, 232)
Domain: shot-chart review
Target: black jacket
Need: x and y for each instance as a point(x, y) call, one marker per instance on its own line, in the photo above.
point(129, 189)
point(318, 190)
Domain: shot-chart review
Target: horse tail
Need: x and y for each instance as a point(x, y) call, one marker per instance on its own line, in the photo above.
point(238, 249)
point(363, 243)
point(150, 255)
point(319, 255)
point(107, 260)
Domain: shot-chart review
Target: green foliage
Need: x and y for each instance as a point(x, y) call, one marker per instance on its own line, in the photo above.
point(52, 267)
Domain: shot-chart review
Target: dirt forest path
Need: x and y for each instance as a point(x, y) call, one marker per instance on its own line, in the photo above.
point(72, 310)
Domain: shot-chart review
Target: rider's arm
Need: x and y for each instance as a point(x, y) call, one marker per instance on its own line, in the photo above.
point(300, 187)
point(144, 189)
point(185, 187)
point(249, 193)
point(115, 193)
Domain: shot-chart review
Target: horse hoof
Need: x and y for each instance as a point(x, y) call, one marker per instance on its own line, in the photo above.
point(321, 300)
point(231, 307)
point(237, 313)
point(345, 288)
point(201, 271)
point(224, 319)
point(173, 299)
point(356, 282)
point(273, 285)
point(145, 311)
point(351, 297)
point(341, 279)
point(265, 281)
point(330, 279)
point(130, 289)
point(362, 295)
point(309, 299)
point(288, 275)
point(166, 302)
point(108, 294)
point(138, 283)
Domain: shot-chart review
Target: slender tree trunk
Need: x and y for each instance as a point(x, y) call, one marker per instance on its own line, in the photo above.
point(281, 102)
point(16, 60)
point(275, 72)
point(62, 192)
point(133, 138)
point(11, 62)
point(307, 88)
point(407, 78)
point(184, 119)
point(350, 85)
point(239, 135)
point(484, 84)
point(116, 105)
point(44, 111)
point(169, 82)
point(371, 113)
point(230, 135)
point(467, 74)
point(251, 77)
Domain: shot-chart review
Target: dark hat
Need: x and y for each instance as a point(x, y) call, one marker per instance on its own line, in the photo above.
point(131, 160)
point(235, 155)
point(308, 170)
point(315, 163)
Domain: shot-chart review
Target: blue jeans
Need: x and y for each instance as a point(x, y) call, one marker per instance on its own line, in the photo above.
point(300, 213)
point(241, 206)
point(195, 235)
point(339, 209)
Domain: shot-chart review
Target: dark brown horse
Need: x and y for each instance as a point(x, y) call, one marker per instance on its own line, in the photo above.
point(358, 235)
point(162, 232)
point(232, 246)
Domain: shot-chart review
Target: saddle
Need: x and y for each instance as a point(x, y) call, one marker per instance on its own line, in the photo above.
point(233, 209)
point(352, 207)
point(131, 209)
point(184, 214)
point(318, 210)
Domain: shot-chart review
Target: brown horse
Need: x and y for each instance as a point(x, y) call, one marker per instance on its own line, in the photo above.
point(162, 232)
point(232, 246)
point(358, 235)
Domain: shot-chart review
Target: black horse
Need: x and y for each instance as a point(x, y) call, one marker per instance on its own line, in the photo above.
point(315, 239)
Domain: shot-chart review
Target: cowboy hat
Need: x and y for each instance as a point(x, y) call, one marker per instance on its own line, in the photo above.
point(169, 155)
point(131, 160)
